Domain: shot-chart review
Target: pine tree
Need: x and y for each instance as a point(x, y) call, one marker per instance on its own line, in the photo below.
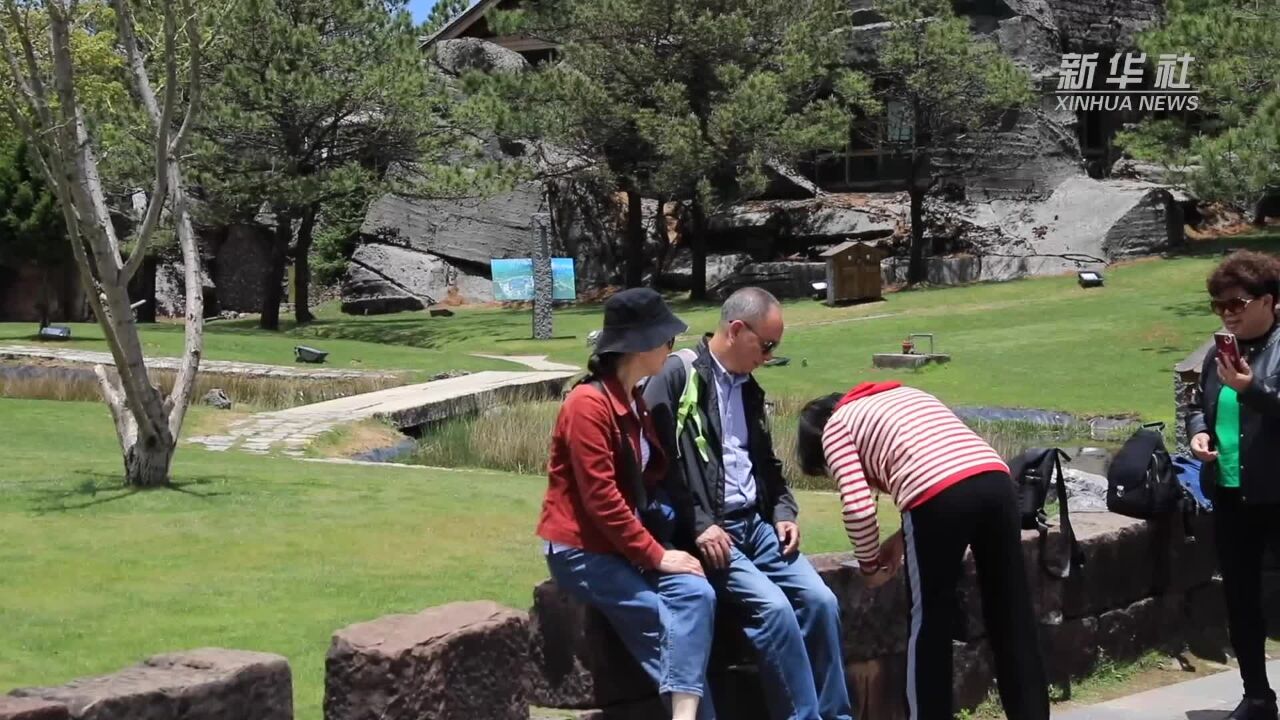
point(1230, 150)
point(31, 229)
point(944, 92)
point(314, 102)
point(685, 99)
point(442, 13)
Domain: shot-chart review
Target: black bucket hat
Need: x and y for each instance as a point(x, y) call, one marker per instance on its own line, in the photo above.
point(637, 320)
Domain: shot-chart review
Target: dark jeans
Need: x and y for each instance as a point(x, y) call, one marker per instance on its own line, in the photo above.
point(1243, 532)
point(981, 512)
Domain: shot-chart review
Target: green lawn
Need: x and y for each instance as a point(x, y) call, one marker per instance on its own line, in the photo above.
point(242, 340)
point(248, 552)
point(1043, 343)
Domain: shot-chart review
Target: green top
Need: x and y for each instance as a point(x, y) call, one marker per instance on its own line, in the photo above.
point(1227, 428)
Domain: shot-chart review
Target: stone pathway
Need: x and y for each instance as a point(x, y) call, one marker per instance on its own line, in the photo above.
point(406, 406)
point(216, 367)
point(533, 362)
point(1206, 698)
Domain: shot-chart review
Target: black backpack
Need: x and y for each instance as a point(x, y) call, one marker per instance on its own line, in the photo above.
point(1034, 473)
point(1142, 481)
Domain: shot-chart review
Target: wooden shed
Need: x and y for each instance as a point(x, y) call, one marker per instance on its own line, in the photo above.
point(853, 272)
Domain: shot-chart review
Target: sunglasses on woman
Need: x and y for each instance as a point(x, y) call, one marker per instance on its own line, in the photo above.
point(1234, 306)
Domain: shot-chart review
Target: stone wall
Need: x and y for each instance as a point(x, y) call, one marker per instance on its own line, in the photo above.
point(1145, 586)
point(205, 684)
point(1088, 25)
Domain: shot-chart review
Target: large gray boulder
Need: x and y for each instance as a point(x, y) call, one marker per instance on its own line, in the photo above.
point(402, 274)
point(205, 684)
point(457, 57)
point(472, 230)
point(1082, 224)
point(830, 219)
point(783, 279)
point(460, 661)
point(721, 267)
point(365, 292)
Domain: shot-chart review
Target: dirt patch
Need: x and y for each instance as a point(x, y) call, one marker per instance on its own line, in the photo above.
point(356, 438)
point(209, 421)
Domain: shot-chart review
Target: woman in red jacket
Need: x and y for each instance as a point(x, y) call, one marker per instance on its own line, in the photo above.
point(605, 521)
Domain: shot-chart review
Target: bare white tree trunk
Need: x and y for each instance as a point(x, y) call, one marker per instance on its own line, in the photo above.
point(147, 421)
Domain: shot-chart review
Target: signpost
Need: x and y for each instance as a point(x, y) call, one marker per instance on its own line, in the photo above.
point(542, 278)
point(543, 285)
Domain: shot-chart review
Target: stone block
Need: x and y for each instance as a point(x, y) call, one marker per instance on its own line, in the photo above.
point(878, 687)
point(1070, 649)
point(738, 692)
point(1152, 623)
point(873, 623)
point(1045, 589)
point(454, 662)
point(1119, 568)
point(972, 674)
point(205, 684)
point(578, 661)
point(1206, 621)
point(20, 708)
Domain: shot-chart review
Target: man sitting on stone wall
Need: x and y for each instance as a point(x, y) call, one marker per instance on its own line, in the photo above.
point(735, 507)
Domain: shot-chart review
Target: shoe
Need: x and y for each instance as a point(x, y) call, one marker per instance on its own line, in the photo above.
point(1254, 709)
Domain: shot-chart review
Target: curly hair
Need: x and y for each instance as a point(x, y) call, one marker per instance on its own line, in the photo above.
point(1256, 273)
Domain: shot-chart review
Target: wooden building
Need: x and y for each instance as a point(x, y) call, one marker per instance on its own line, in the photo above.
point(853, 272)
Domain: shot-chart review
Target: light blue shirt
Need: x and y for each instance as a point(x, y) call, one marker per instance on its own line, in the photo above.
point(739, 485)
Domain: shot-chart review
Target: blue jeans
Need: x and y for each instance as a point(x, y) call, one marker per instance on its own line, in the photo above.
point(792, 620)
point(665, 621)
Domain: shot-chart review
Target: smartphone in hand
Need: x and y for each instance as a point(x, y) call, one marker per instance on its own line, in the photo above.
point(1228, 348)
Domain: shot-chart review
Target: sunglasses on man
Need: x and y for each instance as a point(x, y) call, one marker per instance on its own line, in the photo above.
point(766, 346)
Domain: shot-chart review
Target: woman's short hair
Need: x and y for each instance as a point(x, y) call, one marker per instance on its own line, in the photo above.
point(1256, 273)
point(813, 422)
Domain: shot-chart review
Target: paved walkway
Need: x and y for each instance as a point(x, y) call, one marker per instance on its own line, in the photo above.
point(533, 362)
point(1206, 698)
point(216, 367)
point(405, 406)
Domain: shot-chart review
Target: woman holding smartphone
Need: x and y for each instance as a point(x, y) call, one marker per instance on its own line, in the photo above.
point(1234, 426)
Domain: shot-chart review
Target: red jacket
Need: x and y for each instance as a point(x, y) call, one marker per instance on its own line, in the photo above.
point(587, 505)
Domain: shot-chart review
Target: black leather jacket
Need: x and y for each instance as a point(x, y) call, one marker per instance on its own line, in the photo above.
point(1259, 420)
point(697, 488)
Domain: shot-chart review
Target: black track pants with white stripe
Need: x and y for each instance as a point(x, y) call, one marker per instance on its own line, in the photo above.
point(981, 512)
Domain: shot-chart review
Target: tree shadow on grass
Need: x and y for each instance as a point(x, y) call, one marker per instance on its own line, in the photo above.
point(97, 488)
point(1266, 240)
point(1196, 307)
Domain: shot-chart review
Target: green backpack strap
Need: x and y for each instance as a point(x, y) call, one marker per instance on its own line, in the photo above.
point(688, 407)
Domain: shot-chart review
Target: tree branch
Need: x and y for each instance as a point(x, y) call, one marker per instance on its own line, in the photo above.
point(31, 83)
point(160, 117)
point(195, 89)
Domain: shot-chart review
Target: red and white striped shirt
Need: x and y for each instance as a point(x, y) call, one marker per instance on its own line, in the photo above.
point(901, 441)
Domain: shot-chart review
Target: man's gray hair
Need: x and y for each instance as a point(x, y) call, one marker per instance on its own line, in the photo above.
point(749, 304)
